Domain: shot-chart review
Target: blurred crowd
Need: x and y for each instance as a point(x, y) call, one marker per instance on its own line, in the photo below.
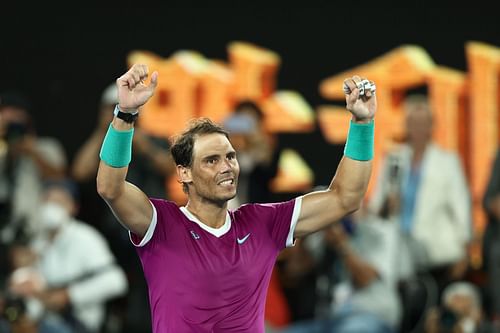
point(399, 264)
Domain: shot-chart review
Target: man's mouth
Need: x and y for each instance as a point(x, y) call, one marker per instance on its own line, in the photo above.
point(228, 181)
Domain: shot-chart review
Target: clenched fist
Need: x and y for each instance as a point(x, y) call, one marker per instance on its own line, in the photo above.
point(132, 91)
point(360, 98)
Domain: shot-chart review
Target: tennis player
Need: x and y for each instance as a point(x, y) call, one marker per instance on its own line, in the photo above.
point(207, 267)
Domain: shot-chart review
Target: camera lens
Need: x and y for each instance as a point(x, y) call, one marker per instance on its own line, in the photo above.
point(14, 308)
point(448, 318)
point(15, 131)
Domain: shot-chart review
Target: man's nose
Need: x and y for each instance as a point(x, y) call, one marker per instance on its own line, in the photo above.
point(226, 165)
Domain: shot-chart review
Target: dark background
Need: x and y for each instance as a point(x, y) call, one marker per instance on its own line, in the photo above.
point(63, 57)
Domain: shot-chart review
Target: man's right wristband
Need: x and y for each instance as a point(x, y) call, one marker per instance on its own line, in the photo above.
point(116, 149)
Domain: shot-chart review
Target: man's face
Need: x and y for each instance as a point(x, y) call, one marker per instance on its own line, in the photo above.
point(419, 125)
point(214, 171)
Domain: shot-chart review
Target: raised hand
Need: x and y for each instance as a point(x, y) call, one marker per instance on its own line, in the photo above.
point(132, 91)
point(362, 104)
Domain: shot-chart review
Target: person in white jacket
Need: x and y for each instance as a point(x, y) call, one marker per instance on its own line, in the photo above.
point(77, 271)
point(424, 189)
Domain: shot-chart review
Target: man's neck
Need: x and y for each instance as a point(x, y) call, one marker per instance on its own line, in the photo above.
point(210, 214)
point(418, 151)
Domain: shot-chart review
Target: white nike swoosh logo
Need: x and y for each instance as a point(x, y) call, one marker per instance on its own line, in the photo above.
point(241, 241)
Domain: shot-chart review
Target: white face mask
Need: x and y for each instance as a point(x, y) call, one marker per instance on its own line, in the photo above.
point(52, 216)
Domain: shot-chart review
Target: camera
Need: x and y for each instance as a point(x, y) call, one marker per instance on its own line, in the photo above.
point(14, 307)
point(15, 131)
point(447, 319)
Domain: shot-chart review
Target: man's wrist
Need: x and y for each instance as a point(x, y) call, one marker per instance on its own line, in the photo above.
point(128, 117)
point(127, 110)
point(361, 120)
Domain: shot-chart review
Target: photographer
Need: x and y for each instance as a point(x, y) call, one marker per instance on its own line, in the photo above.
point(25, 161)
point(75, 273)
point(14, 318)
point(460, 311)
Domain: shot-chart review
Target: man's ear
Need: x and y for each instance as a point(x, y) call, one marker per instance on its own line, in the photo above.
point(184, 174)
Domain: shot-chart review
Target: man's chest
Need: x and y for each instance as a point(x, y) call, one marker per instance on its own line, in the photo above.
point(197, 261)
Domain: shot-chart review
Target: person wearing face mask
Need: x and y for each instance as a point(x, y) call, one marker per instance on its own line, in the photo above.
point(26, 160)
point(74, 261)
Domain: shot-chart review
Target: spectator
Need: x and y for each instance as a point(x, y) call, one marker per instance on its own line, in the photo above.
point(362, 282)
point(460, 311)
point(14, 318)
point(424, 189)
point(77, 274)
point(25, 161)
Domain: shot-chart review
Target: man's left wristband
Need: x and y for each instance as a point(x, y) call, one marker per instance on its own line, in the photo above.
point(128, 117)
point(360, 141)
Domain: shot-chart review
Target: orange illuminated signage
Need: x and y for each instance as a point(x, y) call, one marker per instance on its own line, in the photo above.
point(465, 103)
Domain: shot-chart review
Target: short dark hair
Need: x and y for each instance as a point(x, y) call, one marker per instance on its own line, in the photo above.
point(182, 149)
point(17, 100)
point(65, 184)
point(249, 104)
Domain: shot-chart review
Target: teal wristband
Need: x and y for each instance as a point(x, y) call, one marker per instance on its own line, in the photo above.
point(359, 144)
point(116, 150)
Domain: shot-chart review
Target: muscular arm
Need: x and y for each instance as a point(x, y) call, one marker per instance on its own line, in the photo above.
point(346, 191)
point(128, 203)
point(343, 196)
